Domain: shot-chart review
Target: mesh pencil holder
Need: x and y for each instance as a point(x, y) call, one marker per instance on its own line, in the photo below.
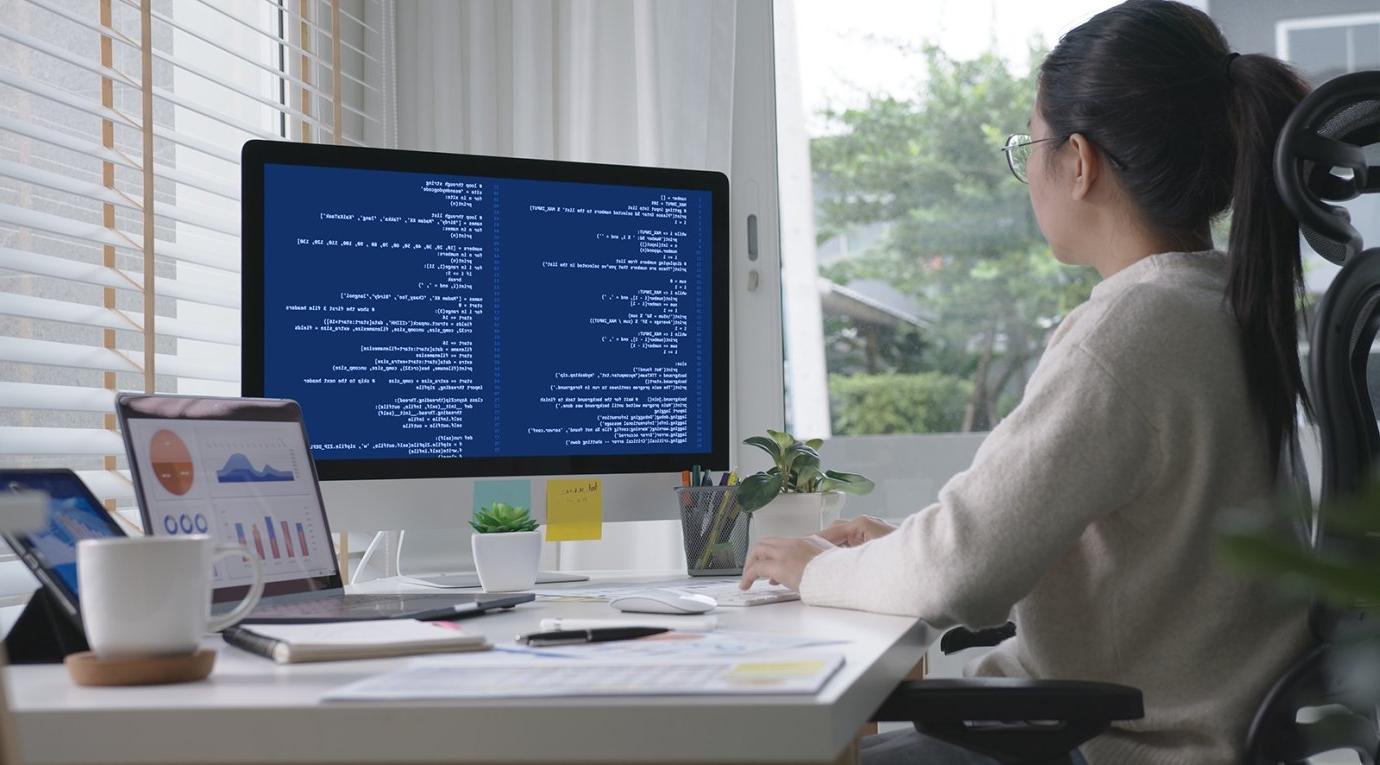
point(714, 528)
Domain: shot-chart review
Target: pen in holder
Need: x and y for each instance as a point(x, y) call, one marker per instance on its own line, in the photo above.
point(714, 528)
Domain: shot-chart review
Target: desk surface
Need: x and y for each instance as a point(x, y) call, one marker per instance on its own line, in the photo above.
point(253, 711)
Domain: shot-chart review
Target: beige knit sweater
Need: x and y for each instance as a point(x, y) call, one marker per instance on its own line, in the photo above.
point(1088, 517)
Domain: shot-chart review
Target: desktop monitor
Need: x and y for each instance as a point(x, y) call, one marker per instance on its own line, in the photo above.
point(446, 318)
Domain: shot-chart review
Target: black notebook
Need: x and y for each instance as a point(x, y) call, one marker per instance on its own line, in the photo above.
point(335, 641)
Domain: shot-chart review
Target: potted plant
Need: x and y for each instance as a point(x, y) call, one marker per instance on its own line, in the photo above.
point(506, 546)
point(796, 496)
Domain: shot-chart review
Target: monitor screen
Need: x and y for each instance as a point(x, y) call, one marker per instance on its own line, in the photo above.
point(444, 315)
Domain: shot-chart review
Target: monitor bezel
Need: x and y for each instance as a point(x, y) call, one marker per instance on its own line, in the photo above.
point(256, 154)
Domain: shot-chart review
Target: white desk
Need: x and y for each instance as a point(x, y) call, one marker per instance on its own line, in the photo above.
point(253, 711)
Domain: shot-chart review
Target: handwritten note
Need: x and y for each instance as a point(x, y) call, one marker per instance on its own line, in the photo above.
point(517, 493)
point(574, 509)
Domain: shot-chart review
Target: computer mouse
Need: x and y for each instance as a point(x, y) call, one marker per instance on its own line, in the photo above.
point(663, 601)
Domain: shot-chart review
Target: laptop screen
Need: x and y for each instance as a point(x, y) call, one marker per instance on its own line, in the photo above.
point(243, 481)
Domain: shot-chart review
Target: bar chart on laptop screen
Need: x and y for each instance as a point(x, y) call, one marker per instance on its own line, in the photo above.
point(246, 483)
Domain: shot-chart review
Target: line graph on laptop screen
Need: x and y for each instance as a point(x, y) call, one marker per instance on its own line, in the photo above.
point(245, 483)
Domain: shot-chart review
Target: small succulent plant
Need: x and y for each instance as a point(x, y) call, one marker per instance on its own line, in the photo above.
point(500, 517)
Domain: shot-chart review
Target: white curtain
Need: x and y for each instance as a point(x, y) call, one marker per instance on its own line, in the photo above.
point(646, 82)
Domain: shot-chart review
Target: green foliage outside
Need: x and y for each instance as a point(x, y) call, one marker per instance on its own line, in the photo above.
point(928, 402)
point(961, 238)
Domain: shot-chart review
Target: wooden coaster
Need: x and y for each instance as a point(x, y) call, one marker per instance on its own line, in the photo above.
point(86, 668)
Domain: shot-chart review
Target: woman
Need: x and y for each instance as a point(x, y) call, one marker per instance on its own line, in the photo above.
point(1087, 515)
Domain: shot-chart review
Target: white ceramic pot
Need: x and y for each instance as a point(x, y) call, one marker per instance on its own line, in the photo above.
point(506, 561)
point(795, 515)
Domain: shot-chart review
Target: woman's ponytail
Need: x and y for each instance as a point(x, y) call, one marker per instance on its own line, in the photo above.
point(1266, 274)
point(1154, 84)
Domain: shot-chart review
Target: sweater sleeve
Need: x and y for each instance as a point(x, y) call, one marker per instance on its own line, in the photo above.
point(1075, 449)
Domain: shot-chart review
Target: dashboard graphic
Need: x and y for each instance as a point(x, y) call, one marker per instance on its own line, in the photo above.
point(248, 483)
point(238, 469)
point(172, 462)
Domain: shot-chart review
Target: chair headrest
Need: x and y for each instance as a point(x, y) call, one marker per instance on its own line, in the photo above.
point(1321, 157)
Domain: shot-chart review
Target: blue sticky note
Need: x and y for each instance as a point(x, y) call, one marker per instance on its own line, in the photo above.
point(515, 492)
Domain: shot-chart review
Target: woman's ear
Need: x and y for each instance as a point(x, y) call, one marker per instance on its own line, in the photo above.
point(1087, 165)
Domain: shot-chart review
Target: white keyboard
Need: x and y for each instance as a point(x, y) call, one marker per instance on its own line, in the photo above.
point(728, 594)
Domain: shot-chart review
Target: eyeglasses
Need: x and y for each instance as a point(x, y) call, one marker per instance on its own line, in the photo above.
point(1020, 146)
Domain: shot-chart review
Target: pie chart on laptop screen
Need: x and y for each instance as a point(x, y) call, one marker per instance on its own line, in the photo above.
point(172, 462)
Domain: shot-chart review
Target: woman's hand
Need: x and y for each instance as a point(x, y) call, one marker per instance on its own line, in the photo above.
point(857, 531)
point(781, 560)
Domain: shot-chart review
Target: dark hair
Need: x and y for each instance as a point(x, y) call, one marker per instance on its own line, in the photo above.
point(1193, 127)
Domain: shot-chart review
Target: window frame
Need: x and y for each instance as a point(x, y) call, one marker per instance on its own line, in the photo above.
point(1335, 21)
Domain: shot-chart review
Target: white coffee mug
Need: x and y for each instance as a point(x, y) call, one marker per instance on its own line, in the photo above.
point(148, 596)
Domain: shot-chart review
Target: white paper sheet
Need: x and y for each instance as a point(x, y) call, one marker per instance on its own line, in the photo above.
point(486, 678)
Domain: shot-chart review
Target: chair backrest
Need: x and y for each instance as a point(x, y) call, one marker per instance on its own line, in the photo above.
point(1347, 320)
point(1320, 159)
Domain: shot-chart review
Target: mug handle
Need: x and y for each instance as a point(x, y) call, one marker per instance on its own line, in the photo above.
point(256, 590)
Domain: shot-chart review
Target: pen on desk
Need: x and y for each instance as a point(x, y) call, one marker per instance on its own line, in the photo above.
point(570, 637)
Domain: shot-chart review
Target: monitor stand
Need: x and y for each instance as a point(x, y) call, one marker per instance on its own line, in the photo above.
point(471, 579)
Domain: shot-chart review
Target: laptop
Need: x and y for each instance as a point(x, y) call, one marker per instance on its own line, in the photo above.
point(240, 470)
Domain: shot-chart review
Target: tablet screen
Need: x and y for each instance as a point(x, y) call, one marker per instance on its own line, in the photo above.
point(74, 514)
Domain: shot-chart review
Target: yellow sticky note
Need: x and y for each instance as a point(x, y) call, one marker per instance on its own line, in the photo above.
point(574, 509)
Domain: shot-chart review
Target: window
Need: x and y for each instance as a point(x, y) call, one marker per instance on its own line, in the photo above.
point(935, 290)
point(120, 129)
point(918, 293)
point(918, 290)
point(1326, 46)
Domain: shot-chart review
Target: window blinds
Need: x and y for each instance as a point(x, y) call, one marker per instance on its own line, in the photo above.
point(121, 123)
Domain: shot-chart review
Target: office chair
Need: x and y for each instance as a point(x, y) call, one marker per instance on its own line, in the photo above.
point(1320, 158)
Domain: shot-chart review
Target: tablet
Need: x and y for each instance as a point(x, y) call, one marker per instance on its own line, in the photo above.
point(74, 514)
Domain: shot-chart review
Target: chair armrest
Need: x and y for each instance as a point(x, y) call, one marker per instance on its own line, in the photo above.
point(1009, 720)
point(961, 638)
point(1009, 700)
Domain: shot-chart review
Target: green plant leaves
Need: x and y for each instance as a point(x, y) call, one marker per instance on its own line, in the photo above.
point(783, 440)
point(848, 483)
point(797, 471)
point(805, 472)
point(1343, 570)
point(500, 518)
point(767, 445)
point(757, 490)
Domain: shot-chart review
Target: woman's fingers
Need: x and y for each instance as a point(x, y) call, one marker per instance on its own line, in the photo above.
point(844, 533)
point(753, 567)
point(760, 563)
